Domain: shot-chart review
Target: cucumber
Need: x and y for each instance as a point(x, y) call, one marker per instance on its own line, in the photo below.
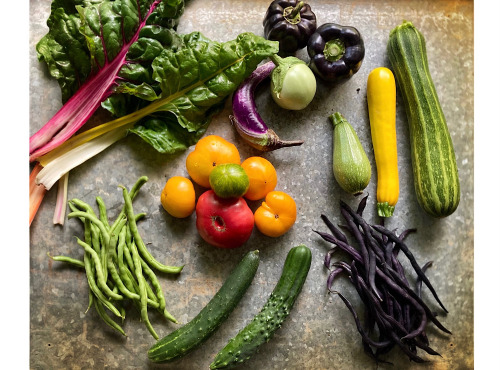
point(275, 311)
point(185, 339)
point(434, 164)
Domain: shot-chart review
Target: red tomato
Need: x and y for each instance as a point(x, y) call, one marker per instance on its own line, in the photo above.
point(223, 222)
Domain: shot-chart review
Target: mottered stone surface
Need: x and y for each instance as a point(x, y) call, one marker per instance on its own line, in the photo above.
point(320, 332)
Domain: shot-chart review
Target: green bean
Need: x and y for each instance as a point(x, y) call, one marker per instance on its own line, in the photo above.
point(126, 250)
point(129, 211)
point(120, 246)
point(121, 286)
point(105, 238)
point(138, 269)
point(87, 231)
point(119, 250)
point(111, 247)
point(119, 283)
point(103, 213)
point(101, 282)
point(140, 216)
point(116, 228)
point(96, 239)
point(95, 289)
point(91, 300)
point(130, 263)
point(154, 282)
point(132, 294)
point(125, 273)
point(133, 192)
point(92, 218)
point(94, 230)
point(71, 261)
point(114, 237)
point(129, 277)
point(82, 206)
point(73, 208)
point(108, 320)
point(135, 188)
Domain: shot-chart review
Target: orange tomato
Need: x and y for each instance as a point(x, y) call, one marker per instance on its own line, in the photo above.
point(262, 176)
point(178, 197)
point(276, 215)
point(208, 153)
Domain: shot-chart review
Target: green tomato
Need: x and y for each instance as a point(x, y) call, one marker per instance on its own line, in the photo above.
point(293, 84)
point(229, 180)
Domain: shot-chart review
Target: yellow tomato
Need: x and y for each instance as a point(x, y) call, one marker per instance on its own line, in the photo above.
point(208, 153)
point(276, 215)
point(262, 176)
point(178, 197)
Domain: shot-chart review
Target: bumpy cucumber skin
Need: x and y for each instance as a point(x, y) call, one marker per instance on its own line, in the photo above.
point(433, 157)
point(277, 308)
point(194, 333)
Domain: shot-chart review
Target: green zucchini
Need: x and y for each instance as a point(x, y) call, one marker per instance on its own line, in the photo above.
point(277, 308)
point(185, 339)
point(433, 157)
point(351, 167)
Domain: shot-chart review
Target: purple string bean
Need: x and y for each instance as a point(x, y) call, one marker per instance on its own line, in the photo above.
point(392, 306)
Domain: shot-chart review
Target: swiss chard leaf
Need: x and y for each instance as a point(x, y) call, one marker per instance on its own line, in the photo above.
point(194, 82)
point(130, 101)
point(87, 51)
point(84, 35)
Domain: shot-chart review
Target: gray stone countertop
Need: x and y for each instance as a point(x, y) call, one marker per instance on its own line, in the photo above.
point(320, 332)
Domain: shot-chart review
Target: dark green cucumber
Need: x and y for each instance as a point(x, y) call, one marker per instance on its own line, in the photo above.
point(277, 308)
point(433, 157)
point(183, 340)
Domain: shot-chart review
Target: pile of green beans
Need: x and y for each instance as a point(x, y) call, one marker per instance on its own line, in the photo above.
point(117, 263)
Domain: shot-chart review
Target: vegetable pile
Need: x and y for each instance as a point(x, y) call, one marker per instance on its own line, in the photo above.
point(165, 87)
point(187, 83)
point(395, 313)
point(223, 217)
point(117, 263)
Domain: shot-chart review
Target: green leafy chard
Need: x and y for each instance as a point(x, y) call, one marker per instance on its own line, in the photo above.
point(195, 82)
point(98, 48)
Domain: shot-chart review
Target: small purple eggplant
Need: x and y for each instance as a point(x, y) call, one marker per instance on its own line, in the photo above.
point(247, 120)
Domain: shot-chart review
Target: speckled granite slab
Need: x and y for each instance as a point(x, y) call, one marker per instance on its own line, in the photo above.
point(320, 332)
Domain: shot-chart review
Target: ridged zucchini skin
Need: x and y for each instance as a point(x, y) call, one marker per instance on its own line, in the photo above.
point(433, 157)
point(277, 308)
point(183, 340)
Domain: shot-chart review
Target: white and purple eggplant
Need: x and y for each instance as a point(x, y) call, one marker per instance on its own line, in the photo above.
point(246, 118)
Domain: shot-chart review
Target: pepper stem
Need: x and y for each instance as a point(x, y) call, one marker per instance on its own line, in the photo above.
point(292, 14)
point(334, 50)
